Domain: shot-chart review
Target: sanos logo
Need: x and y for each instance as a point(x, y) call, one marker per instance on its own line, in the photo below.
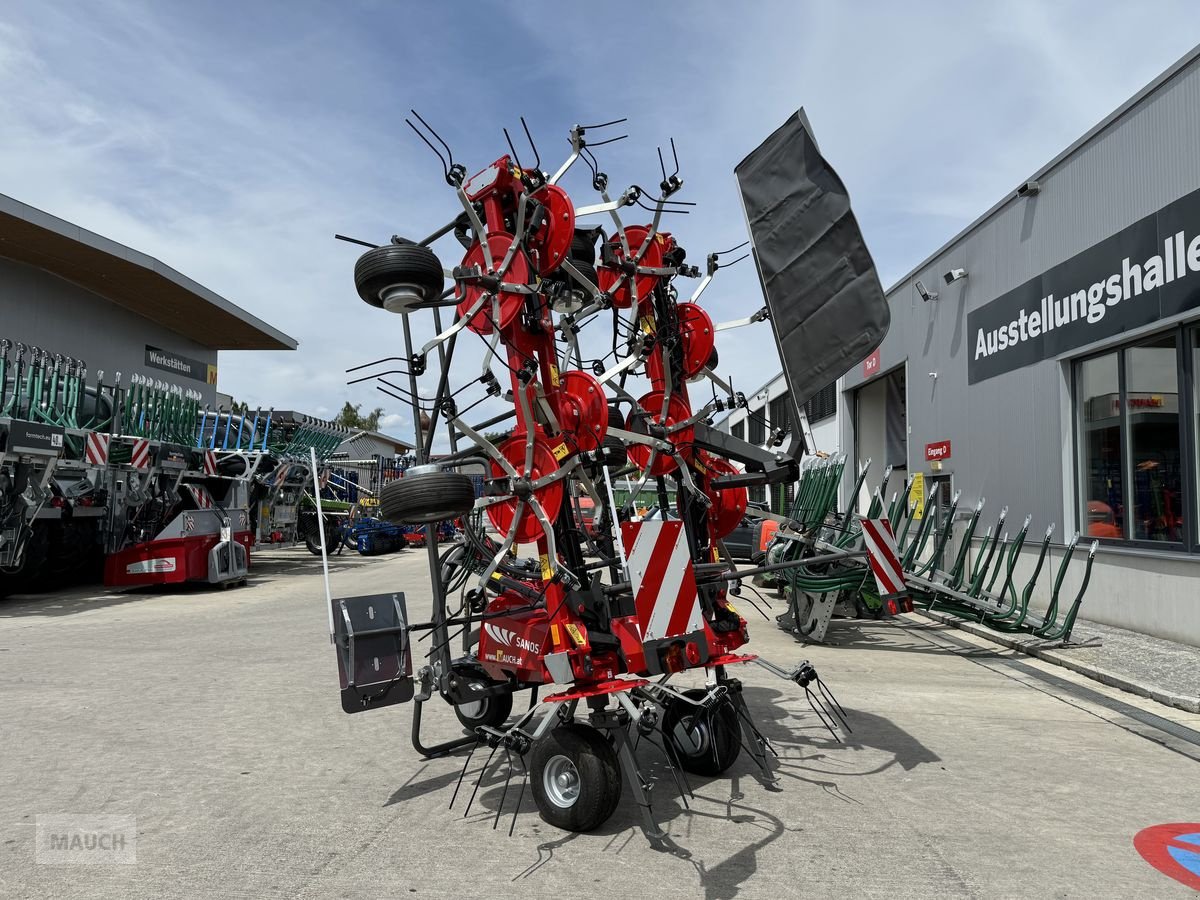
point(511, 639)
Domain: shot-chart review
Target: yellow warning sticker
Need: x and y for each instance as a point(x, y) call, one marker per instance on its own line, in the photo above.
point(554, 375)
point(916, 495)
point(733, 609)
point(561, 452)
point(647, 324)
point(547, 572)
point(573, 630)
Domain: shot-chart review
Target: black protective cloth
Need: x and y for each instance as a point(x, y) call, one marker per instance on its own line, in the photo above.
point(828, 310)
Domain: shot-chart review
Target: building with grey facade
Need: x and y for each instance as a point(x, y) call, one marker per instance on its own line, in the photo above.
point(1048, 358)
point(77, 294)
point(767, 414)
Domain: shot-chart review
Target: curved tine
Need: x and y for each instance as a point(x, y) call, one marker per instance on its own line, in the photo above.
point(441, 159)
point(378, 375)
point(377, 362)
point(449, 152)
point(537, 157)
point(511, 148)
point(609, 141)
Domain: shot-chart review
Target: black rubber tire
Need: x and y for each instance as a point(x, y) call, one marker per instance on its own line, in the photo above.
point(615, 454)
point(426, 498)
point(392, 264)
point(719, 734)
point(588, 272)
point(583, 248)
point(613, 448)
point(493, 710)
point(599, 777)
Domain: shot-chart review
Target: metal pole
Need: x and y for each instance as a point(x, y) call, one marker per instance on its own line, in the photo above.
point(312, 458)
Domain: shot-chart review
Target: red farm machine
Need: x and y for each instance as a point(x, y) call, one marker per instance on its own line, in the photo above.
point(138, 481)
point(598, 618)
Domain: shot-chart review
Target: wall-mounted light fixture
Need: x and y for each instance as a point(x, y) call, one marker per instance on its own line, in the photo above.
point(954, 275)
point(925, 294)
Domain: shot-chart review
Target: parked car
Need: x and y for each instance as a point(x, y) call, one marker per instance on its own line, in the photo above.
point(749, 540)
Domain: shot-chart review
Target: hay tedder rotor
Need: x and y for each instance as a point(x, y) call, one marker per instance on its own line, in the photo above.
point(597, 619)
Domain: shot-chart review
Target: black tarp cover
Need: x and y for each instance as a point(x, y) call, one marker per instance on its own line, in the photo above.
point(828, 310)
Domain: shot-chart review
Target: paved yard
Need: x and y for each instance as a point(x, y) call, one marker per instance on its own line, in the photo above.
point(213, 718)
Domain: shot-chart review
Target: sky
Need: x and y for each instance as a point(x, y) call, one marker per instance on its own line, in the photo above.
point(231, 141)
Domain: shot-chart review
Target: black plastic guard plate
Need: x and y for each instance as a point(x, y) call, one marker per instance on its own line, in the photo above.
point(828, 310)
point(373, 651)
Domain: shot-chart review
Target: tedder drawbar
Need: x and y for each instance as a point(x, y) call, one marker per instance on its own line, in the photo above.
point(138, 479)
point(598, 619)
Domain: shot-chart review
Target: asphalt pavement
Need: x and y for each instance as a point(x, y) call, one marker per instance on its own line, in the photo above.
point(212, 719)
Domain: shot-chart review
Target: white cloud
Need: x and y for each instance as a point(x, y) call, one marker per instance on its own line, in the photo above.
point(233, 150)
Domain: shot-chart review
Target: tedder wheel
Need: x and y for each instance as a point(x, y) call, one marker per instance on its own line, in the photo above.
point(707, 743)
point(397, 277)
point(492, 710)
point(425, 497)
point(575, 777)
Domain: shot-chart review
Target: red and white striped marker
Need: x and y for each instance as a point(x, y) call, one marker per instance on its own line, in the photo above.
point(664, 583)
point(141, 454)
point(200, 495)
point(96, 449)
point(210, 462)
point(884, 558)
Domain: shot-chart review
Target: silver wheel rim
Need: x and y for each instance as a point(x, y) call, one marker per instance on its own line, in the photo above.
point(560, 781)
point(692, 737)
point(472, 709)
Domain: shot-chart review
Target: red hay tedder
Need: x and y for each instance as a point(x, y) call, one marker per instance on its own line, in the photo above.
point(597, 618)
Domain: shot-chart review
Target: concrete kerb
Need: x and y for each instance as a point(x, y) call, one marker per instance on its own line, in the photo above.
point(1059, 658)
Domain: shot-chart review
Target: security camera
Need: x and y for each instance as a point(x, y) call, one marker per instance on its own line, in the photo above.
point(1028, 189)
point(954, 274)
point(925, 295)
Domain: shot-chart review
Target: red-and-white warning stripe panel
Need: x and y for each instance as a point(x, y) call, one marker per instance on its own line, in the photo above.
point(141, 454)
point(210, 462)
point(884, 558)
point(201, 496)
point(664, 583)
point(96, 448)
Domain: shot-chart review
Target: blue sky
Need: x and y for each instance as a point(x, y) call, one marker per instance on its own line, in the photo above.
point(232, 140)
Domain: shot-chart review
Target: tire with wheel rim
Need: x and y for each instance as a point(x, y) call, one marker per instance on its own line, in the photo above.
point(491, 711)
point(396, 277)
point(427, 497)
point(575, 777)
point(707, 742)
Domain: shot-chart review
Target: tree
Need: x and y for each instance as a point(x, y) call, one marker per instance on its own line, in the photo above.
point(351, 417)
